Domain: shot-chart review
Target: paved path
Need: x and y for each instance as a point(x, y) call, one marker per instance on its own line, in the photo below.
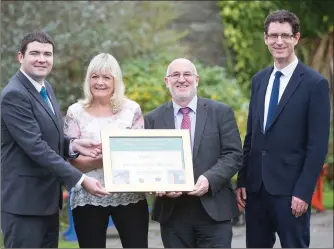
point(321, 234)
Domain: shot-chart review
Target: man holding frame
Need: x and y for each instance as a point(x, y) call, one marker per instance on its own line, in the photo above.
point(202, 217)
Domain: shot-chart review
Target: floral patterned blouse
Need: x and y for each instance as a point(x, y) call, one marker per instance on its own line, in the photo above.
point(79, 123)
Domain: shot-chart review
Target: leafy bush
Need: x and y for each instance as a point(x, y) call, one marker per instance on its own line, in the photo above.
point(144, 82)
point(243, 29)
point(81, 30)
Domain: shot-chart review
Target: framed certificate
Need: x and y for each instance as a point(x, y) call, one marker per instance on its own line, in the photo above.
point(147, 160)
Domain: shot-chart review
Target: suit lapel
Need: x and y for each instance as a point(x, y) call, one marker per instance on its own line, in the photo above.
point(52, 98)
point(201, 116)
point(294, 81)
point(39, 98)
point(262, 95)
point(169, 116)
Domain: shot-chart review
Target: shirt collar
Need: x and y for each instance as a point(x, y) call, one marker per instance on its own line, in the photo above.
point(288, 70)
point(37, 85)
point(192, 105)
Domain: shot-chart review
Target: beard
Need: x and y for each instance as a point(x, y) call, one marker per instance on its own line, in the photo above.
point(183, 96)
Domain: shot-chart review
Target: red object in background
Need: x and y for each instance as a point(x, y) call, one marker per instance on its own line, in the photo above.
point(65, 195)
point(317, 198)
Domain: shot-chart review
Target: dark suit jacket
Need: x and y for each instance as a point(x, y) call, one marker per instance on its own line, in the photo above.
point(32, 150)
point(217, 154)
point(287, 158)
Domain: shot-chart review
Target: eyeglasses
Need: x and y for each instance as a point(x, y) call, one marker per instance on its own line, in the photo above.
point(284, 37)
point(176, 76)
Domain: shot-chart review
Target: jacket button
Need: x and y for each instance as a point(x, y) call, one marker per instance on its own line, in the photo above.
point(264, 153)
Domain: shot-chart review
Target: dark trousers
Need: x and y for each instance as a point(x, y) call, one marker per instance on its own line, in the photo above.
point(267, 214)
point(30, 231)
point(191, 227)
point(131, 222)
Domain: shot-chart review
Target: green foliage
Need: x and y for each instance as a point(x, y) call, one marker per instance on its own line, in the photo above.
point(316, 17)
point(144, 82)
point(330, 156)
point(1, 241)
point(243, 28)
point(328, 198)
point(67, 244)
point(81, 30)
point(215, 84)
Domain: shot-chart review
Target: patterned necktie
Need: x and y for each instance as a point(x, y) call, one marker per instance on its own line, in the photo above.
point(186, 124)
point(44, 95)
point(273, 99)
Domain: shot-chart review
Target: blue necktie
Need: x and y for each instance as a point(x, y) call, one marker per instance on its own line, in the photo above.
point(44, 95)
point(273, 99)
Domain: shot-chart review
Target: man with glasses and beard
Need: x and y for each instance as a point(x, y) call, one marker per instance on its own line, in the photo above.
point(202, 217)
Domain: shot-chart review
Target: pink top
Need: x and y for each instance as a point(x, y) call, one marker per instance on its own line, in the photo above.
point(79, 123)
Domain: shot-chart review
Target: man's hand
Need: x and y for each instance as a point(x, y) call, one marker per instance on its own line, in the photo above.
point(241, 196)
point(168, 194)
point(201, 186)
point(87, 147)
point(298, 206)
point(93, 187)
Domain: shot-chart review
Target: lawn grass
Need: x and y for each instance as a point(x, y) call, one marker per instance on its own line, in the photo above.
point(328, 197)
point(62, 243)
point(67, 244)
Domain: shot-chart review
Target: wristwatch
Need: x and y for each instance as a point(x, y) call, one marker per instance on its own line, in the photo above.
point(73, 154)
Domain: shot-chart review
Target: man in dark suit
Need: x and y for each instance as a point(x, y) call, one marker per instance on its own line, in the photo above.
point(32, 149)
point(201, 218)
point(286, 141)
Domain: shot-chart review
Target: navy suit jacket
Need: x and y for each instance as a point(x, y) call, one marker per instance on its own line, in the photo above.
point(289, 156)
point(32, 149)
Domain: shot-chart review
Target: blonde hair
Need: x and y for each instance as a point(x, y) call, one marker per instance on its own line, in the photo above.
point(105, 63)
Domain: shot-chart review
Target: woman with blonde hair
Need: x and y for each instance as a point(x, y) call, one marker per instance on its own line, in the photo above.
point(104, 105)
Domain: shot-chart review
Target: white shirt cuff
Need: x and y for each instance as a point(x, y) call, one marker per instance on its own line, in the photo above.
point(78, 185)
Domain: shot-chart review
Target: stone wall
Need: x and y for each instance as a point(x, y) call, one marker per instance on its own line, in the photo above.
point(205, 38)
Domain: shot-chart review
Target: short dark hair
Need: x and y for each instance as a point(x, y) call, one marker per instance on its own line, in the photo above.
point(39, 36)
point(283, 16)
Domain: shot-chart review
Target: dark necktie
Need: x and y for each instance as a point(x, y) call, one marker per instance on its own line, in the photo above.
point(273, 99)
point(44, 95)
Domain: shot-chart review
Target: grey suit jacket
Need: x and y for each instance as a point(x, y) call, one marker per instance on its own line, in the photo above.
point(32, 150)
point(217, 154)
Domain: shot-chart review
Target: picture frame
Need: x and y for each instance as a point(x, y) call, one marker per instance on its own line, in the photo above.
point(147, 160)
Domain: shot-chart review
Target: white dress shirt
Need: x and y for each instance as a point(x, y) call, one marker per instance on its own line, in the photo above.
point(284, 80)
point(38, 87)
point(178, 116)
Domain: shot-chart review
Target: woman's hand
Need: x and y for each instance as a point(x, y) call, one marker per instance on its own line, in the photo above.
point(86, 163)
